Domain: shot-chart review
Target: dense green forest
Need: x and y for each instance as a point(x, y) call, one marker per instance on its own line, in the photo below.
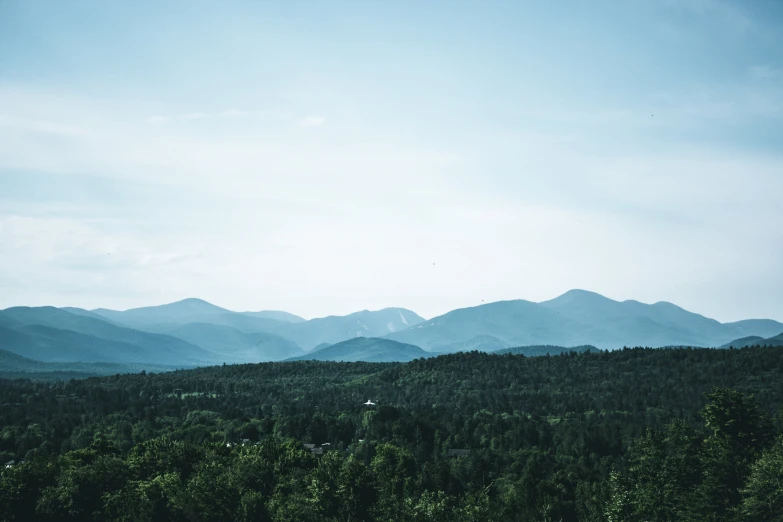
point(629, 435)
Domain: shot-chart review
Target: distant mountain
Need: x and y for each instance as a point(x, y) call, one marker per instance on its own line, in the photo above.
point(535, 351)
point(575, 318)
point(743, 342)
point(755, 340)
point(776, 340)
point(11, 363)
point(82, 311)
point(276, 315)
point(756, 327)
point(167, 313)
point(9, 322)
point(482, 343)
point(164, 317)
point(53, 335)
point(194, 332)
point(306, 334)
point(236, 345)
point(188, 332)
point(503, 324)
point(631, 322)
point(367, 349)
point(48, 344)
point(334, 329)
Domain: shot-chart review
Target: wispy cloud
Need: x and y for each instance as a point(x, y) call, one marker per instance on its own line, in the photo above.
point(313, 121)
point(158, 120)
point(42, 126)
point(258, 115)
point(235, 113)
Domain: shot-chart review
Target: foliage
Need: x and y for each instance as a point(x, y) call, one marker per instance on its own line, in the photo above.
point(623, 436)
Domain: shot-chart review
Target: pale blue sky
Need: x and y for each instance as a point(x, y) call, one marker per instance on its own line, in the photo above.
point(326, 157)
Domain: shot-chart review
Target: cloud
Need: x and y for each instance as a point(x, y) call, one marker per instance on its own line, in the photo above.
point(261, 115)
point(158, 120)
point(58, 258)
point(234, 113)
point(42, 126)
point(533, 213)
point(313, 121)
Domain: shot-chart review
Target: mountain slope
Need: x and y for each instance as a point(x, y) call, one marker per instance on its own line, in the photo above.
point(635, 323)
point(755, 340)
point(237, 346)
point(575, 318)
point(167, 313)
point(504, 324)
point(306, 334)
point(82, 311)
point(47, 344)
point(14, 363)
point(277, 315)
point(58, 336)
point(164, 317)
point(367, 349)
point(334, 329)
point(760, 327)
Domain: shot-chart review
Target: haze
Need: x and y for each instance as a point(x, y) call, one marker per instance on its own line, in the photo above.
point(328, 157)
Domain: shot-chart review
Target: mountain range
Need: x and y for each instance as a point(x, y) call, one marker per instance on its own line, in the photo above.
point(575, 318)
point(193, 332)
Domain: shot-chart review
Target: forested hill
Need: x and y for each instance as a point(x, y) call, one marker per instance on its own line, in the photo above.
point(367, 349)
point(538, 440)
point(546, 349)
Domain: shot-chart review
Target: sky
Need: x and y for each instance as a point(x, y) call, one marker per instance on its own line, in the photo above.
point(327, 157)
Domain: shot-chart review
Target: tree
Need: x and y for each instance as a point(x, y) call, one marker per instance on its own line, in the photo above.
point(393, 467)
point(763, 494)
point(663, 471)
point(739, 433)
point(356, 491)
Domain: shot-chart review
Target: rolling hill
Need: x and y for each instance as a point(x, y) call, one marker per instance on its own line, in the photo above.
point(276, 315)
point(535, 351)
point(366, 349)
point(755, 340)
point(756, 327)
point(14, 365)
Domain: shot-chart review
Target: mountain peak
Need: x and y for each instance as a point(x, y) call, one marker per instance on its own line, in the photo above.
point(190, 304)
point(193, 302)
point(368, 349)
point(578, 295)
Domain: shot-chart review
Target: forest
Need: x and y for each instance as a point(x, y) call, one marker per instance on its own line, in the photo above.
point(627, 435)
